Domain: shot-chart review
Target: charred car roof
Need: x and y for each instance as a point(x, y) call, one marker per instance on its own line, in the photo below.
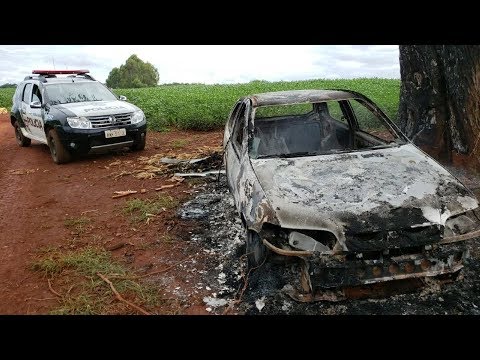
point(301, 96)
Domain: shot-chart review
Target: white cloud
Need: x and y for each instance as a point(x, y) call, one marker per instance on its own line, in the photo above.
point(209, 63)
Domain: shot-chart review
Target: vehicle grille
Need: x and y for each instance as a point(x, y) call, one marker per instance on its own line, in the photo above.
point(105, 121)
point(383, 240)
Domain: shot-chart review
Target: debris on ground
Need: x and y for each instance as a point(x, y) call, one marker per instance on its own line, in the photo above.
point(260, 303)
point(21, 171)
point(178, 161)
point(176, 179)
point(202, 174)
point(221, 236)
point(163, 187)
point(119, 194)
point(203, 159)
point(214, 302)
point(117, 246)
point(221, 239)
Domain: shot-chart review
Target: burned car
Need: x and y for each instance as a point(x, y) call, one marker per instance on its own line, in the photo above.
point(326, 178)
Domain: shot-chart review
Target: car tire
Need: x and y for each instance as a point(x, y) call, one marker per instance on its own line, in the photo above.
point(60, 155)
point(255, 250)
point(140, 145)
point(21, 139)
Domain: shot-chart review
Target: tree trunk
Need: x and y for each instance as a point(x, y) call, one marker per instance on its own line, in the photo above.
point(440, 100)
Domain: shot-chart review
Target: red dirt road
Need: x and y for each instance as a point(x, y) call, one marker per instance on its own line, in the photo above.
point(37, 196)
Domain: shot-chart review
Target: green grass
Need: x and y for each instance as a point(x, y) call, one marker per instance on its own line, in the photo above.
point(205, 107)
point(87, 261)
point(89, 294)
point(141, 210)
point(6, 95)
point(77, 225)
point(179, 143)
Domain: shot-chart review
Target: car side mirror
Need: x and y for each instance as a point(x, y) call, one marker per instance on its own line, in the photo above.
point(122, 98)
point(35, 104)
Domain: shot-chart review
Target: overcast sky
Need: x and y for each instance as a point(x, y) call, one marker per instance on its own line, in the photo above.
point(209, 64)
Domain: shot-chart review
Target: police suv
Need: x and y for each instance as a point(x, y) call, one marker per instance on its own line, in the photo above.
point(74, 114)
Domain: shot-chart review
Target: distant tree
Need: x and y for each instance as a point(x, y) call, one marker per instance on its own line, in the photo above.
point(8, 85)
point(135, 73)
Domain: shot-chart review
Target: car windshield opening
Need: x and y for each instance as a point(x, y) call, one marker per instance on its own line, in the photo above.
point(319, 128)
point(77, 92)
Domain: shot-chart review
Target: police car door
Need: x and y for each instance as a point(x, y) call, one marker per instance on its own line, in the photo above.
point(32, 113)
point(26, 96)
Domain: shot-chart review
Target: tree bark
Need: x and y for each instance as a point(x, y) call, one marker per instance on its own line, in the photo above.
point(440, 99)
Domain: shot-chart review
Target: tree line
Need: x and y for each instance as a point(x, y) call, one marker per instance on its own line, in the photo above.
point(135, 73)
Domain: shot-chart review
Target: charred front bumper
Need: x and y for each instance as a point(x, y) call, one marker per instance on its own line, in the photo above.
point(339, 271)
point(323, 274)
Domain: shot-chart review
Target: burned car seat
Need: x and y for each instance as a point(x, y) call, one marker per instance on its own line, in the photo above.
point(271, 143)
point(329, 136)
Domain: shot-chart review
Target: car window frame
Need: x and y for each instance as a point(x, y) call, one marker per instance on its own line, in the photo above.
point(242, 121)
point(233, 115)
point(389, 125)
point(29, 95)
point(39, 90)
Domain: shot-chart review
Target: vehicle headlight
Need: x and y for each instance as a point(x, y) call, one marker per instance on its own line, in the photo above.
point(138, 116)
point(461, 224)
point(79, 122)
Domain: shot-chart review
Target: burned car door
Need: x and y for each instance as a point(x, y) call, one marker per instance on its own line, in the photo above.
point(231, 123)
point(236, 152)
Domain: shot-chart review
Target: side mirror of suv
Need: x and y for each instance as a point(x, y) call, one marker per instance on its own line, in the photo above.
point(35, 104)
point(122, 98)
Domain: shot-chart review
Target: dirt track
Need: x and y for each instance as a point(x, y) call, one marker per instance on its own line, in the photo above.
point(37, 196)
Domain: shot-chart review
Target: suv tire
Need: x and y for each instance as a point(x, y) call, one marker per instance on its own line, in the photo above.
point(60, 155)
point(140, 145)
point(21, 140)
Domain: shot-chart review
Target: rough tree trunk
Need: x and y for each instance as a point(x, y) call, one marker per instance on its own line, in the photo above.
point(440, 99)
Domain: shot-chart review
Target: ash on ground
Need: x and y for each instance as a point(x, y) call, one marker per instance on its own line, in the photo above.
point(222, 241)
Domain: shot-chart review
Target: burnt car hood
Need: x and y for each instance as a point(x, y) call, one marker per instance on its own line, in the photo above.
point(96, 108)
point(364, 191)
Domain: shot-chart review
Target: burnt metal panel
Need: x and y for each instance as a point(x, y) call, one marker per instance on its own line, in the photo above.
point(300, 96)
point(325, 273)
point(352, 193)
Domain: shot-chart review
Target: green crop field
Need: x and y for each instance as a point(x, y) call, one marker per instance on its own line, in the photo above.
point(205, 107)
point(6, 95)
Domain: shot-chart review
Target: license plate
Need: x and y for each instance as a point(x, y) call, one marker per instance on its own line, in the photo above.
point(115, 133)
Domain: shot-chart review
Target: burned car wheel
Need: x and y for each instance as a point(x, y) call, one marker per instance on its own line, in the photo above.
point(21, 140)
point(255, 250)
point(59, 154)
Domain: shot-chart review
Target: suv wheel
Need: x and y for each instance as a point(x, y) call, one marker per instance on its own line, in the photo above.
point(21, 140)
point(59, 154)
point(140, 145)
